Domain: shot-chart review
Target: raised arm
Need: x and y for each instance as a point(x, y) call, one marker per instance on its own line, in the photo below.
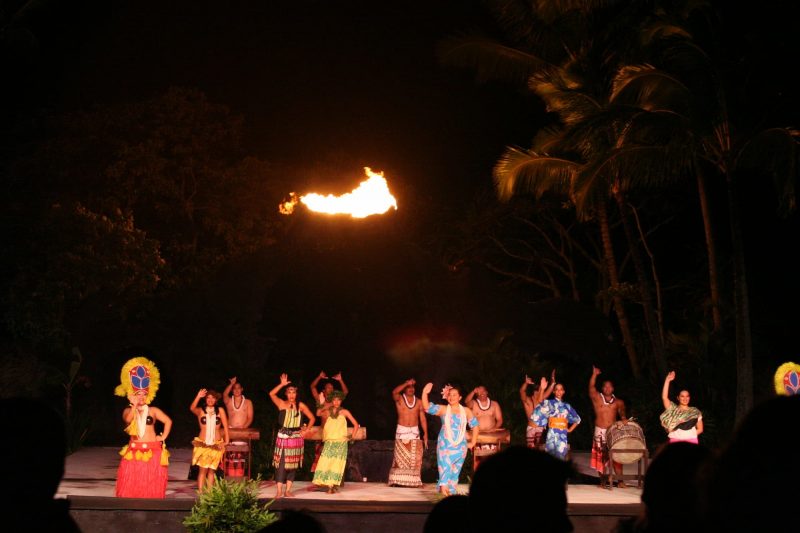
point(226, 394)
point(470, 396)
point(423, 421)
point(338, 377)
point(523, 391)
point(425, 391)
point(665, 390)
point(593, 394)
point(397, 390)
point(273, 394)
point(193, 408)
point(314, 391)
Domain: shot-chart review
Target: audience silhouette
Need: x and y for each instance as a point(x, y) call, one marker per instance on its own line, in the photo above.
point(33, 464)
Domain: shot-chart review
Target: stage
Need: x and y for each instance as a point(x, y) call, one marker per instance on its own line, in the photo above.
point(360, 506)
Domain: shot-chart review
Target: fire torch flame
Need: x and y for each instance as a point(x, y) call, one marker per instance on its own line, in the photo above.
point(371, 197)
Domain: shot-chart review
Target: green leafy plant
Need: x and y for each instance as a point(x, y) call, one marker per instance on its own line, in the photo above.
point(230, 506)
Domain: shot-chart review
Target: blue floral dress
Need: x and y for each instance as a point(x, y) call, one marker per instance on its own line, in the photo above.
point(450, 455)
point(557, 416)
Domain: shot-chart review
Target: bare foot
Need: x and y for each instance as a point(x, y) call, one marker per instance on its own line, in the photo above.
point(622, 485)
point(330, 490)
point(289, 494)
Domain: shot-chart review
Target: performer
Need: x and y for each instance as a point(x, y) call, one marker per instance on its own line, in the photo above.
point(490, 417)
point(607, 408)
point(239, 408)
point(534, 432)
point(289, 445)
point(561, 419)
point(333, 459)
point(408, 449)
point(324, 403)
point(451, 446)
point(142, 470)
point(209, 445)
point(683, 423)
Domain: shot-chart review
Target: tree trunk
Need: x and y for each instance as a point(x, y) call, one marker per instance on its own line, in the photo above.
point(645, 289)
point(619, 306)
point(711, 251)
point(744, 343)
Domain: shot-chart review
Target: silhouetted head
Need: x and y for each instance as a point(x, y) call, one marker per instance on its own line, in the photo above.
point(33, 451)
point(449, 514)
point(672, 487)
point(754, 483)
point(501, 492)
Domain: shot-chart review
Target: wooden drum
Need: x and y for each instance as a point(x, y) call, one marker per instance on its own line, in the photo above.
point(626, 441)
point(490, 442)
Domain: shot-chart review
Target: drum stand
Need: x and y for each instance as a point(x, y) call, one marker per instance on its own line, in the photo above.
point(641, 467)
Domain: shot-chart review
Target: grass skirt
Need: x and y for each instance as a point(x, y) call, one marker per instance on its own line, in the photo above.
point(142, 471)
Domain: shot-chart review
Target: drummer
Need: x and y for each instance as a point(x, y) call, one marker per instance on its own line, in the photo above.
point(240, 409)
point(490, 418)
point(607, 409)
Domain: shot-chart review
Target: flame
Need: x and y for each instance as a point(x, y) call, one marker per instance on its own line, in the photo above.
point(371, 197)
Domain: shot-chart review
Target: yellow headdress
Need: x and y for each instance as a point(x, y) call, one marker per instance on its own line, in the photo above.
point(139, 374)
point(787, 379)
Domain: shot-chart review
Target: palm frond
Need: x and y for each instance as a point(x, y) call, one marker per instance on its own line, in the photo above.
point(489, 59)
point(521, 171)
point(661, 29)
point(562, 95)
point(774, 153)
point(649, 88)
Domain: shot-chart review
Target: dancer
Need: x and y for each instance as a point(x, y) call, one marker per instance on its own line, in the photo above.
point(607, 408)
point(408, 449)
point(534, 432)
point(682, 422)
point(209, 445)
point(239, 408)
point(333, 459)
point(560, 418)
point(490, 418)
point(324, 403)
point(142, 470)
point(451, 446)
point(289, 445)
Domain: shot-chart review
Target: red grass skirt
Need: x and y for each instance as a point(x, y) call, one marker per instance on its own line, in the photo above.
point(142, 470)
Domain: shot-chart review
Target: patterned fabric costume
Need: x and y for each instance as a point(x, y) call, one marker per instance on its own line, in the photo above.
point(533, 436)
point(681, 424)
point(407, 462)
point(333, 459)
point(288, 454)
point(451, 446)
point(557, 416)
point(600, 450)
point(142, 471)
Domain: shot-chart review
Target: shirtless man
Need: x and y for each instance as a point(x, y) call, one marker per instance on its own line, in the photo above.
point(607, 408)
point(490, 418)
point(534, 433)
point(408, 449)
point(240, 409)
point(324, 403)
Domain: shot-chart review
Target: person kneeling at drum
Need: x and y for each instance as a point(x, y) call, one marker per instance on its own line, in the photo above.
point(607, 408)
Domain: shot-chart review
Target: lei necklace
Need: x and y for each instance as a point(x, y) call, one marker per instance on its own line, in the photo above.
point(603, 396)
point(412, 405)
point(482, 407)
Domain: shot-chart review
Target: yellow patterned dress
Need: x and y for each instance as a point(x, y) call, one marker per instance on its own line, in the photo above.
point(332, 461)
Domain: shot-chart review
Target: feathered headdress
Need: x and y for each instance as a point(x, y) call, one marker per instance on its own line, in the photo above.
point(139, 374)
point(787, 379)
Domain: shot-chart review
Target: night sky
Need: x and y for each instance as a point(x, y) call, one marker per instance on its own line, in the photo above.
point(328, 87)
